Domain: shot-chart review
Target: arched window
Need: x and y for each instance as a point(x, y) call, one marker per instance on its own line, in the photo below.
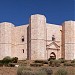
point(22, 38)
point(53, 38)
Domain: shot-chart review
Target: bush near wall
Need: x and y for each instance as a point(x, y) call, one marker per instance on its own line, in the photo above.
point(73, 61)
point(41, 61)
point(62, 60)
point(36, 64)
point(54, 63)
point(6, 60)
point(14, 59)
point(69, 64)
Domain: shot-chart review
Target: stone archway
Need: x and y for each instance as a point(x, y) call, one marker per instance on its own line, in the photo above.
point(53, 55)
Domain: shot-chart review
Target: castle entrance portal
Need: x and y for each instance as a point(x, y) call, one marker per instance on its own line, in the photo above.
point(53, 55)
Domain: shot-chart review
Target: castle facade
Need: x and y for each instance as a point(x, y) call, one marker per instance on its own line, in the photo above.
point(38, 40)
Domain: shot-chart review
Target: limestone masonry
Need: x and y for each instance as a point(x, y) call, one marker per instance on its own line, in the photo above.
point(38, 40)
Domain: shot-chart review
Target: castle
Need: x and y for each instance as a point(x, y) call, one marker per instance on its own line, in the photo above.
point(38, 40)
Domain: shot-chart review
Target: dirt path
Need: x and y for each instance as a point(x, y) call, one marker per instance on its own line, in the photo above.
point(8, 71)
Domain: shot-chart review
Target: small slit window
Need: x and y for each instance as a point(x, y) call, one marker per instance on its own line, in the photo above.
point(22, 38)
point(53, 38)
point(23, 50)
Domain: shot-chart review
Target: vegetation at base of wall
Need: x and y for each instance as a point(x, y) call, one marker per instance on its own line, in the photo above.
point(36, 64)
point(69, 64)
point(61, 72)
point(62, 60)
point(14, 59)
point(51, 59)
point(73, 61)
point(6, 60)
point(54, 63)
point(41, 61)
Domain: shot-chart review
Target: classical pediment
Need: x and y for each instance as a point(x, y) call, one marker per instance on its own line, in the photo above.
point(53, 46)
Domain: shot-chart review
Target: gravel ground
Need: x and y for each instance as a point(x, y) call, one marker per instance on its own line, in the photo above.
point(8, 71)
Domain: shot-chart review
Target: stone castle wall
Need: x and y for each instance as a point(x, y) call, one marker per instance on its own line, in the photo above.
point(19, 45)
point(5, 39)
point(34, 40)
point(56, 31)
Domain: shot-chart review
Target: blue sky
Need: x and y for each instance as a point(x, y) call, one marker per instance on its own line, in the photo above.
point(19, 11)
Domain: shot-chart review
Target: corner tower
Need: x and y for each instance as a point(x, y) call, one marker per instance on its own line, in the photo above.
point(37, 37)
point(68, 37)
point(5, 39)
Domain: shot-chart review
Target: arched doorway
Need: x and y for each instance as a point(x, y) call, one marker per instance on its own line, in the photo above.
point(53, 55)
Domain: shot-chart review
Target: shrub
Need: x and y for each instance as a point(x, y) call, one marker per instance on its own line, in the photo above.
point(11, 65)
point(6, 60)
point(69, 64)
point(36, 64)
point(73, 61)
point(21, 69)
point(54, 63)
point(30, 71)
point(51, 63)
point(41, 61)
point(57, 63)
point(14, 59)
point(47, 70)
point(51, 59)
point(61, 72)
point(26, 72)
point(38, 61)
point(62, 60)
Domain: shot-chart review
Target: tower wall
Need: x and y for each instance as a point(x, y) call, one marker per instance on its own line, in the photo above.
point(5, 39)
point(68, 30)
point(37, 37)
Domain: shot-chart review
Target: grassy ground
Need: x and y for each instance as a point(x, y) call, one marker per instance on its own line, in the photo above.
point(13, 70)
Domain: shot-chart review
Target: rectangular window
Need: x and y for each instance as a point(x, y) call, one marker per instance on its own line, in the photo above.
point(23, 50)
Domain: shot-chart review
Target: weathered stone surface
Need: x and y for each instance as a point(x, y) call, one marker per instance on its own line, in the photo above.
point(37, 40)
point(69, 39)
